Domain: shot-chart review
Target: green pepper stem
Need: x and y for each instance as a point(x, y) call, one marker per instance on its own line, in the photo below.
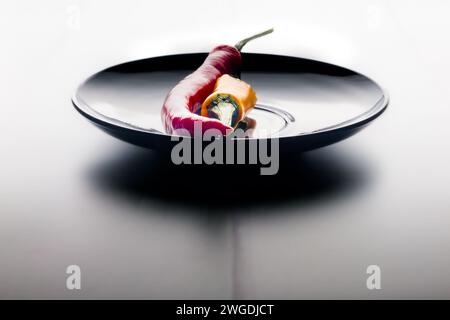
point(243, 42)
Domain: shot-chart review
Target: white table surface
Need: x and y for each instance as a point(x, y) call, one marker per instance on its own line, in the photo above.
point(71, 194)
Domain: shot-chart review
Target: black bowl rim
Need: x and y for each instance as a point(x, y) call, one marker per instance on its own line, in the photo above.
point(360, 120)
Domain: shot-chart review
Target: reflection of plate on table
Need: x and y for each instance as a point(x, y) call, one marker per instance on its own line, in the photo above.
point(305, 103)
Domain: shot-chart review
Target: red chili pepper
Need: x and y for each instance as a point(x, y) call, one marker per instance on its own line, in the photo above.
point(185, 99)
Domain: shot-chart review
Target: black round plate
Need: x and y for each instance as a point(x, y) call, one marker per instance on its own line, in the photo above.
point(306, 104)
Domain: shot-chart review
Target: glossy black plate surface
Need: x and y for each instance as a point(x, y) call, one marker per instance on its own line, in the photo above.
point(306, 104)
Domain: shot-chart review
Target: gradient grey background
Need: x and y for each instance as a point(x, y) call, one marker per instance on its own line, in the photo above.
point(70, 194)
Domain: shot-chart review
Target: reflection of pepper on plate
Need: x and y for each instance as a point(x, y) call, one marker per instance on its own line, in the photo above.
point(212, 95)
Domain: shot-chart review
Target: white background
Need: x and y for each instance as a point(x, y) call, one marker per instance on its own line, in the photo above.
point(394, 210)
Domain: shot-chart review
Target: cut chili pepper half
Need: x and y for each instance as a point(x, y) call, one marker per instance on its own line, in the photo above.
point(183, 104)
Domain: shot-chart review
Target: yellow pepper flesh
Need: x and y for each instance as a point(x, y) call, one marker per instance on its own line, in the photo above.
point(230, 101)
